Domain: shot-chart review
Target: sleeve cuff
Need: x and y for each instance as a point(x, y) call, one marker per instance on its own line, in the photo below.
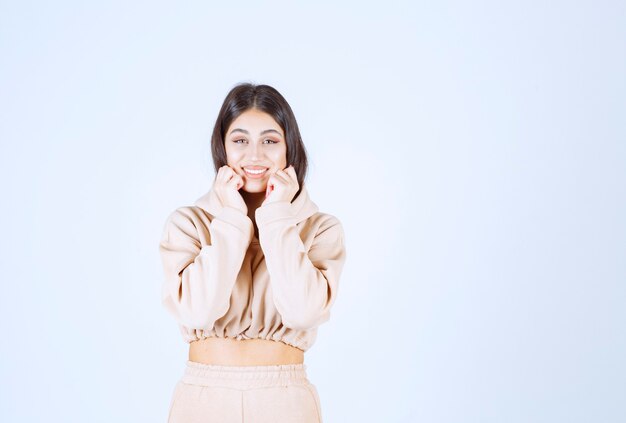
point(276, 211)
point(236, 218)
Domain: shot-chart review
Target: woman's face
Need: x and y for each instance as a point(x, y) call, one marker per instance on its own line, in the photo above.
point(255, 141)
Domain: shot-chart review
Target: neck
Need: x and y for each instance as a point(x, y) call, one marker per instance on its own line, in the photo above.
point(253, 200)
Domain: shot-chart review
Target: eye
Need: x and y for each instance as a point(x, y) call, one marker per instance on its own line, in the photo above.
point(237, 141)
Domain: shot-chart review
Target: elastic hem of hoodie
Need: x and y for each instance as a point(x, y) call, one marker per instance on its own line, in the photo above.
point(291, 337)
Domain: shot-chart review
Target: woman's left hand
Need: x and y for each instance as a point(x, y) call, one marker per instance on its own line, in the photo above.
point(281, 186)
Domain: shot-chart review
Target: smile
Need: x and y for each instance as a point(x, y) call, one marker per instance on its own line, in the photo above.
point(255, 173)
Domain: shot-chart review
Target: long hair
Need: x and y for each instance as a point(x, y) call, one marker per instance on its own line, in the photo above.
point(245, 96)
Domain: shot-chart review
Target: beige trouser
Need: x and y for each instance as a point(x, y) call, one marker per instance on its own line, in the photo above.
point(209, 393)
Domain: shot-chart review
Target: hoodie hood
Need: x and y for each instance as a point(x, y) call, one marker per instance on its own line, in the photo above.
point(302, 207)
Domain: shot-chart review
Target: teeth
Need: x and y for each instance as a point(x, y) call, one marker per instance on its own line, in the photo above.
point(255, 172)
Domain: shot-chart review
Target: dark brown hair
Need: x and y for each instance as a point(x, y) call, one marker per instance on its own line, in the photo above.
point(245, 96)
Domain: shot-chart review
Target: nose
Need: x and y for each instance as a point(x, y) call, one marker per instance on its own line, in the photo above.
point(254, 152)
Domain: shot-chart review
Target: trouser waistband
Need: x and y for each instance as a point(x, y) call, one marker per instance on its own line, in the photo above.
point(244, 376)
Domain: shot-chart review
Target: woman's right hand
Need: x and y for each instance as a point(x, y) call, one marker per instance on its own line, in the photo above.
point(226, 185)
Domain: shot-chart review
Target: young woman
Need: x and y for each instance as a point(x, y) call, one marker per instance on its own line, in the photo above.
point(251, 271)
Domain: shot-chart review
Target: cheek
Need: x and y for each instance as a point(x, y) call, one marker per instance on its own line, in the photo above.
point(232, 157)
point(280, 158)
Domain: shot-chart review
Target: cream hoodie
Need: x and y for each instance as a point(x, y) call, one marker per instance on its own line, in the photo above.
point(221, 281)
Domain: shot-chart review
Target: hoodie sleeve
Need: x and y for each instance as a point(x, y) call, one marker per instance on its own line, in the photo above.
point(304, 283)
point(199, 278)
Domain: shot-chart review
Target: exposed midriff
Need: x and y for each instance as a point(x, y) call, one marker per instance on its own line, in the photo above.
point(245, 352)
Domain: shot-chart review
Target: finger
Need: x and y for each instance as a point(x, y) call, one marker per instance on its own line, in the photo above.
point(282, 177)
point(275, 180)
point(229, 174)
point(239, 182)
point(289, 177)
point(291, 172)
point(292, 176)
point(218, 177)
point(272, 182)
point(223, 173)
point(234, 180)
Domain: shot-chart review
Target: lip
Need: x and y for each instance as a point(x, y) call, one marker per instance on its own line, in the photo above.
point(253, 176)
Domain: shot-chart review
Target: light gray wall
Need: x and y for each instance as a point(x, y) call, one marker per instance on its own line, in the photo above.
point(475, 152)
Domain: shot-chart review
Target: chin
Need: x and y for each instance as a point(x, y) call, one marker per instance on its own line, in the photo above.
point(254, 188)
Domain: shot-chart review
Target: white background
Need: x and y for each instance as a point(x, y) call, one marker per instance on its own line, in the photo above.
point(474, 151)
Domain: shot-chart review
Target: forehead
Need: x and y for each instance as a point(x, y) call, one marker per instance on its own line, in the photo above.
point(254, 121)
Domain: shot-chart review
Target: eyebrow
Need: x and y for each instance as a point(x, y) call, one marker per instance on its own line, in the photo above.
point(262, 132)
